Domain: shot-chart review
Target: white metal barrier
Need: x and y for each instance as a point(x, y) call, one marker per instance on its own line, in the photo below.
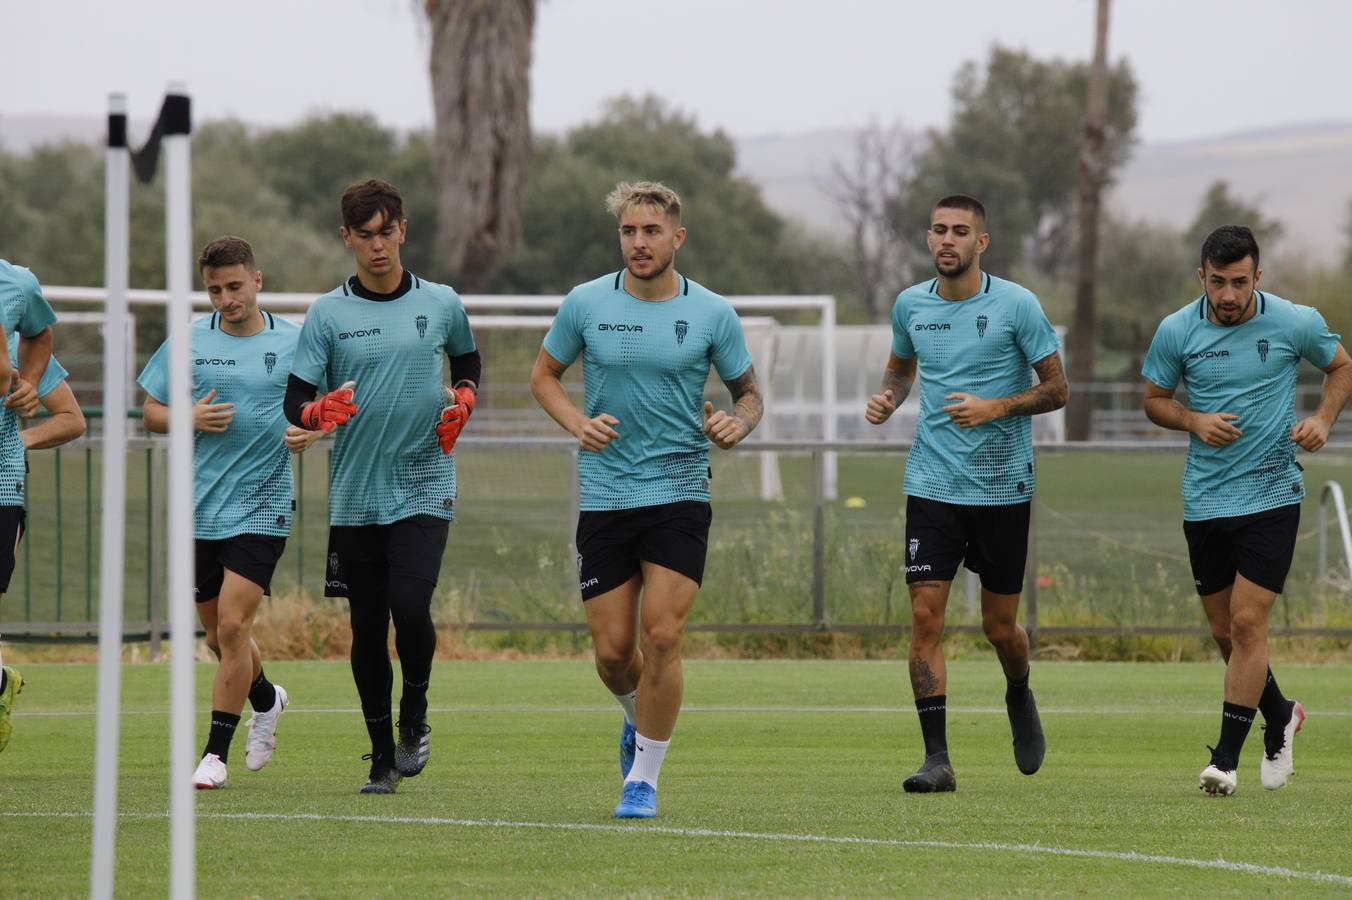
point(1335, 491)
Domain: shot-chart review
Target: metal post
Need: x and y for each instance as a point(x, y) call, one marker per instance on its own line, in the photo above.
point(182, 627)
point(829, 393)
point(819, 476)
point(116, 267)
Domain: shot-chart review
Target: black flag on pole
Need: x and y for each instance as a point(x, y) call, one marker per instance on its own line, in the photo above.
point(175, 118)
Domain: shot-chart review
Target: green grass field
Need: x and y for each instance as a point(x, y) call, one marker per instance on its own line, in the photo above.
point(783, 779)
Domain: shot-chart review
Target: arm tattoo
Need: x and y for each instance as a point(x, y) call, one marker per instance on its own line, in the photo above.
point(748, 402)
point(899, 383)
point(923, 681)
point(1051, 391)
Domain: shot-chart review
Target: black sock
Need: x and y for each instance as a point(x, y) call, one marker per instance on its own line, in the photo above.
point(4, 680)
point(932, 715)
point(262, 695)
point(1016, 692)
point(222, 731)
point(382, 738)
point(372, 672)
point(415, 639)
point(1275, 707)
point(1236, 721)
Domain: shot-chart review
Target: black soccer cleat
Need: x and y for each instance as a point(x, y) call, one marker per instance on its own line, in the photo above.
point(935, 776)
point(1029, 744)
point(383, 779)
point(413, 747)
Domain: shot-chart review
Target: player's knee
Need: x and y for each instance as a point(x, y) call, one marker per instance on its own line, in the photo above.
point(1220, 633)
point(614, 658)
point(1249, 628)
point(927, 624)
point(232, 632)
point(213, 644)
point(662, 639)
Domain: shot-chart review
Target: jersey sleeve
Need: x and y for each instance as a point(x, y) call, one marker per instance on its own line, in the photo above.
point(1163, 366)
point(901, 337)
point(311, 362)
point(1317, 343)
point(154, 378)
point(36, 313)
point(52, 377)
point(731, 358)
point(460, 338)
point(1036, 336)
point(564, 338)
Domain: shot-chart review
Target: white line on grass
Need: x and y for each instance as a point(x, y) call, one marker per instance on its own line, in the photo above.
point(1129, 856)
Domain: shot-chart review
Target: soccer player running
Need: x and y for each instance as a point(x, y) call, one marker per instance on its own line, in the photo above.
point(1236, 350)
point(23, 311)
point(383, 336)
point(969, 476)
point(647, 336)
point(64, 421)
point(243, 491)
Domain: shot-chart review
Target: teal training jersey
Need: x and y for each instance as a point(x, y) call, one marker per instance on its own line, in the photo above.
point(984, 345)
point(242, 476)
point(645, 363)
point(1248, 370)
point(13, 462)
point(24, 311)
point(387, 465)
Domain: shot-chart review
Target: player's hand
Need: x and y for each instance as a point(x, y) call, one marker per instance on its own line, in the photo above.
point(23, 397)
point(970, 410)
point(596, 433)
point(880, 408)
point(1215, 429)
point(298, 440)
point(213, 417)
point(331, 410)
point(459, 404)
point(1311, 433)
point(724, 430)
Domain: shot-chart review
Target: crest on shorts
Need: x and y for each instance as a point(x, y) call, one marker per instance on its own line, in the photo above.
point(579, 562)
point(333, 564)
point(981, 323)
point(1263, 350)
point(913, 546)
point(269, 360)
point(421, 322)
point(682, 329)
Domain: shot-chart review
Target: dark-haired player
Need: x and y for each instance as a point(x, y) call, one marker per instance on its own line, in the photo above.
point(1236, 350)
point(385, 335)
point(969, 476)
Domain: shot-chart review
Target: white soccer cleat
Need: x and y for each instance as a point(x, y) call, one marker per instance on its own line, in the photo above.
point(263, 732)
point(1218, 782)
point(1277, 766)
point(210, 774)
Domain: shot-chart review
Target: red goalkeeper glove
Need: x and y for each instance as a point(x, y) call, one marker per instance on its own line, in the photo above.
point(331, 410)
point(453, 417)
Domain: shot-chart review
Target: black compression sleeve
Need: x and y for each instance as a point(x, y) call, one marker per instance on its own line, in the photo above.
point(468, 367)
point(298, 393)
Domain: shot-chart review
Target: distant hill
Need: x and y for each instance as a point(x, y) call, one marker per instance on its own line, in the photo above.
point(1301, 175)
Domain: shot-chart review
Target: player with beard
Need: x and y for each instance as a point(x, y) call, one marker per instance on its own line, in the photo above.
point(1237, 351)
point(969, 476)
point(647, 336)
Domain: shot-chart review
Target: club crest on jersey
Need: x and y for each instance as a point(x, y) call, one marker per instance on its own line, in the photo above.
point(269, 361)
point(682, 329)
point(914, 547)
point(1263, 346)
point(981, 322)
point(421, 322)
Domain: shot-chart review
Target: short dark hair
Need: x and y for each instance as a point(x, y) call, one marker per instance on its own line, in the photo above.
point(227, 251)
point(962, 201)
point(1228, 245)
point(364, 199)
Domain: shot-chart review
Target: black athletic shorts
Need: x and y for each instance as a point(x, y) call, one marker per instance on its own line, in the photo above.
point(251, 556)
point(612, 542)
point(362, 557)
point(1258, 546)
point(13, 521)
point(992, 541)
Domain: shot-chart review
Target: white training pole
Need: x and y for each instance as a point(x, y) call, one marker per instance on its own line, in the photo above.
point(182, 618)
point(831, 421)
point(116, 266)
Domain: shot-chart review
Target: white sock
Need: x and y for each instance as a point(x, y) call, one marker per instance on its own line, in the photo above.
point(629, 703)
point(648, 756)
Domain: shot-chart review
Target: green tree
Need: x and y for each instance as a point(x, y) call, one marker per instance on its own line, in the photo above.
point(1013, 142)
point(1220, 207)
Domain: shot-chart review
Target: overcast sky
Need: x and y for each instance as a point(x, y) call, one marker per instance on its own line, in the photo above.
point(751, 67)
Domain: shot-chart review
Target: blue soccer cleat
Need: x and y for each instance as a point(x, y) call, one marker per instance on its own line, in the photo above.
point(638, 800)
point(628, 737)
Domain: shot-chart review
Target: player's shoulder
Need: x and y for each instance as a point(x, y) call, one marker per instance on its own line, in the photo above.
point(1270, 304)
point(597, 289)
point(701, 294)
point(20, 276)
point(280, 325)
point(436, 290)
point(1191, 315)
point(1006, 290)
